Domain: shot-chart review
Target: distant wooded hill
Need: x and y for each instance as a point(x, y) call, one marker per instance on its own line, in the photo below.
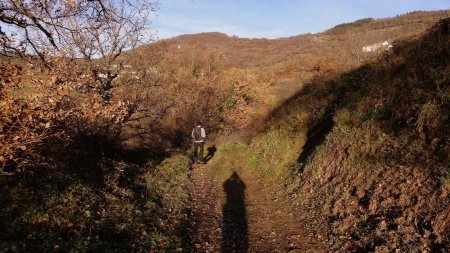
point(308, 49)
point(268, 71)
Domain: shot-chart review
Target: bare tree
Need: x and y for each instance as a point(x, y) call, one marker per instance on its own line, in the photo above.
point(94, 33)
point(74, 28)
point(85, 75)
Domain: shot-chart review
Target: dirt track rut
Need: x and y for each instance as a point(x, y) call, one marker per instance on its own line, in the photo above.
point(243, 213)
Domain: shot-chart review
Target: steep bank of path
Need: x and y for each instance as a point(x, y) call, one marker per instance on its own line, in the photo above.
point(234, 210)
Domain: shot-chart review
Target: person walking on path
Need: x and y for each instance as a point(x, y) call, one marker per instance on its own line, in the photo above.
point(199, 137)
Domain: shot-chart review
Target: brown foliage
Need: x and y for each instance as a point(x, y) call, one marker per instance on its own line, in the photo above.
point(38, 104)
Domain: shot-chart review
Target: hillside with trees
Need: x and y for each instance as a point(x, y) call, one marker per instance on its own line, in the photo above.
point(275, 69)
point(329, 142)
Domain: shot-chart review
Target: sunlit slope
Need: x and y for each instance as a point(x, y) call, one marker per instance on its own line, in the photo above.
point(371, 149)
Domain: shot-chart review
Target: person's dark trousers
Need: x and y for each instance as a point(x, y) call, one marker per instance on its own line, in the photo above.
point(198, 145)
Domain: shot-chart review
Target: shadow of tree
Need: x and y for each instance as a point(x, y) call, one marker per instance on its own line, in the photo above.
point(96, 153)
point(87, 183)
point(235, 228)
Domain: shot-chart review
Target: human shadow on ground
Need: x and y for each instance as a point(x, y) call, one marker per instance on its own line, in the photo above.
point(235, 228)
point(316, 136)
point(352, 81)
point(211, 151)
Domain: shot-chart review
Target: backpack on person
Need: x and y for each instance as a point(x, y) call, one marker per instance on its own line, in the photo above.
point(198, 133)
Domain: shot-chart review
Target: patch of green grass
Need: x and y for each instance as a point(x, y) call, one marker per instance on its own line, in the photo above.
point(170, 181)
point(228, 158)
point(270, 154)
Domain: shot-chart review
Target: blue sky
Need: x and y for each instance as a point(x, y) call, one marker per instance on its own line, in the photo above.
point(274, 18)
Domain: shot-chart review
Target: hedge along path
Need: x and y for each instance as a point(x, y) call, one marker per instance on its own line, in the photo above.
point(234, 210)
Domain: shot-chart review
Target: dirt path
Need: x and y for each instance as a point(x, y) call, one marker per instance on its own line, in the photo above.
point(275, 225)
point(206, 217)
point(235, 211)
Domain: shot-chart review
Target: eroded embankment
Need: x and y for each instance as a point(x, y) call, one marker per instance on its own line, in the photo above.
point(379, 173)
